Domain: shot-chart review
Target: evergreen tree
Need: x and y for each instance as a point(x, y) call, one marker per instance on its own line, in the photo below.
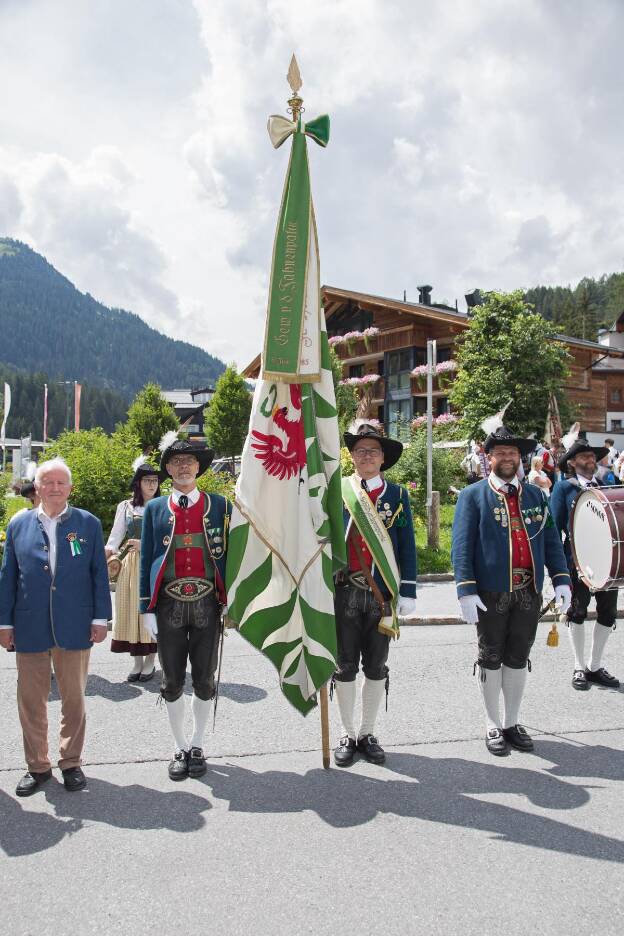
point(150, 416)
point(227, 422)
point(508, 353)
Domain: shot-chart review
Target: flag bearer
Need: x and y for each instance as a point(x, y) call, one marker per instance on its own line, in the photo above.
point(378, 585)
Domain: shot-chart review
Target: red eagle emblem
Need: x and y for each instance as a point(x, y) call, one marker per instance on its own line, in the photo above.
point(283, 459)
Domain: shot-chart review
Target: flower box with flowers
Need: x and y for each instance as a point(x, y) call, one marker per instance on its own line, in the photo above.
point(350, 338)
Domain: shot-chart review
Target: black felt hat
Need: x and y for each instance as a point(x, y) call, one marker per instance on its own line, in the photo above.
point(203, 455)
point(142, 470)
point(391, 448)
point(577, 448)
point(504, 436)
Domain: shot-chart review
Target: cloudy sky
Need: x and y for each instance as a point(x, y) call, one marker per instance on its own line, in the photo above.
point(474, 143)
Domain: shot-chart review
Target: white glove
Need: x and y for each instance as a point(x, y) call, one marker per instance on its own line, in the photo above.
point(406, 607)
point(563, 598)
point(468, 608)
point(149, 624)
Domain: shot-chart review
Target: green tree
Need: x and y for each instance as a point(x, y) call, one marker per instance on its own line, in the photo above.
point(150, 416)
point(101, 468)
point(346, 396)
point(227, 421)
point(508, 353)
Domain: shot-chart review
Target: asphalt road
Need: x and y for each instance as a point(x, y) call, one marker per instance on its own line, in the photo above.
point(444, 838)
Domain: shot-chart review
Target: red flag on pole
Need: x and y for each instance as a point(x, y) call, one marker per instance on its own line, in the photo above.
point(77, 391)
point(45, 413)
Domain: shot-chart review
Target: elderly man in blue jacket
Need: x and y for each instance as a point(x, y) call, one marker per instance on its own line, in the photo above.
point(54, 605)
point(503, 535)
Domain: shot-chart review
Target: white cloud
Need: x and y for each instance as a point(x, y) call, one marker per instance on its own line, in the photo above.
point(474, 143)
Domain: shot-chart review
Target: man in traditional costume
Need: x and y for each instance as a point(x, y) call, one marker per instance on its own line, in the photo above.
point(580, 464)
point(503, 535)
point(183, 546)
point(378, 586)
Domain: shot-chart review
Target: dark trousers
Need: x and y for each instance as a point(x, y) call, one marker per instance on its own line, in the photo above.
point(188, 630)
point(357, 617)
point(506, 631)
point(606, 603)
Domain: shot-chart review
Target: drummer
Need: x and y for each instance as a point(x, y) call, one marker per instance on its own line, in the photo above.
point(579, 465)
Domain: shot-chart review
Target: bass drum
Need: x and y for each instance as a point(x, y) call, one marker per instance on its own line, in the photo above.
point(597, 536)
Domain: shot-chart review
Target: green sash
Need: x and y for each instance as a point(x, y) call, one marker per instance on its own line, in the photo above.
point(372, 529)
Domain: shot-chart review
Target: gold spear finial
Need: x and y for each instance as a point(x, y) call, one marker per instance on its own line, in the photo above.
point(295, 103)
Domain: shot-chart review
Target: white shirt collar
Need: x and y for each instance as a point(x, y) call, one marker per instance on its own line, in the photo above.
point(499, 483)
point(584, 482)
point(43, 515)
point(193, 496)
point(373, 483)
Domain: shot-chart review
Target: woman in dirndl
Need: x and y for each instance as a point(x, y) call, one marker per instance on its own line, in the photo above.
point(128, 635)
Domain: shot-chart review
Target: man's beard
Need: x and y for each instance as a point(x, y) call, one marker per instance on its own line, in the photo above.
point(507, 473)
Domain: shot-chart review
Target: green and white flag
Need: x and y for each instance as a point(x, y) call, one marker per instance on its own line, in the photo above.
point(286, 536)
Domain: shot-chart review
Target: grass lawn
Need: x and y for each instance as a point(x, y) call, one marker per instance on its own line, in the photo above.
point(435, 560)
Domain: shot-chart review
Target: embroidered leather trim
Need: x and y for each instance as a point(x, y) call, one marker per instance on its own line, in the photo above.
point(188, 589)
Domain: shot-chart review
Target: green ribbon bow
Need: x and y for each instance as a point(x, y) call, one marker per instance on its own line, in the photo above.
point(280, 128)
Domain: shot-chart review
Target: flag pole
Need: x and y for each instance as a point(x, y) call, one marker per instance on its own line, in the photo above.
point(295, 107)
point(324, 708)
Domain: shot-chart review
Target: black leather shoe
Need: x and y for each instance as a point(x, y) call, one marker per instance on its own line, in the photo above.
point(74, 779)
point(145, 677)
point(579, 680)
point(345, 752)
point(133, 677)
point(196, 762)
point(369, 746)
point(496, 743)
point(31, 782)
point(518, 737)
point(178, 766)
point(602, 678)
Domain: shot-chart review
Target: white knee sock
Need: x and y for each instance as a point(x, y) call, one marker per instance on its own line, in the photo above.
point(372, 694)
point(577, 639)
point(148, 663)
point(345, 694)
point(201, 713)
point(514, 681)
point(137, 665)
point(175, 711)
point(599, 640)
point(490, 691)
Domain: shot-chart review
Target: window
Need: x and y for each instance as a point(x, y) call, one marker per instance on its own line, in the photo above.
point(616, 395)
point(399, 367)
point(399, 417)
point(420, 406)
point(420, 356)
point(380, 367)
point(616, 424)
point(441, 405)
point(356, 370)
point(443, 354)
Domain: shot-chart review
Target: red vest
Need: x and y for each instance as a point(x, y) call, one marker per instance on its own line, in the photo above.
point(189, 561)
point(520, 549)
point(354, 562)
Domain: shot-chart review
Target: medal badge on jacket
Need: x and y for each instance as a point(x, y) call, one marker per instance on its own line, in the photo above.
point(74, 544)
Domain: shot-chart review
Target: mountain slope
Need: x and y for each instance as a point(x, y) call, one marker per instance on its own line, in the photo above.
point(46, 324)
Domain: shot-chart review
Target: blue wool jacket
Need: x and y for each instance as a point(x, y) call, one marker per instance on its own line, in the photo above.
point(563, 496)
point(401, 531)
point(53, 611)
point(158, 522)
point(481, 545)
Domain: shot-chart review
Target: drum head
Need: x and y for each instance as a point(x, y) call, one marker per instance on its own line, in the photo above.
point(592, 540)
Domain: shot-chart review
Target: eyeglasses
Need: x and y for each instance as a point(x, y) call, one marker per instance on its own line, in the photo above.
point(150, 480)
point(181, 460)
point(366, 452)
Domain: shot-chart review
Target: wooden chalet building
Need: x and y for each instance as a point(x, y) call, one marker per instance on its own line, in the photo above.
point(390, 355)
